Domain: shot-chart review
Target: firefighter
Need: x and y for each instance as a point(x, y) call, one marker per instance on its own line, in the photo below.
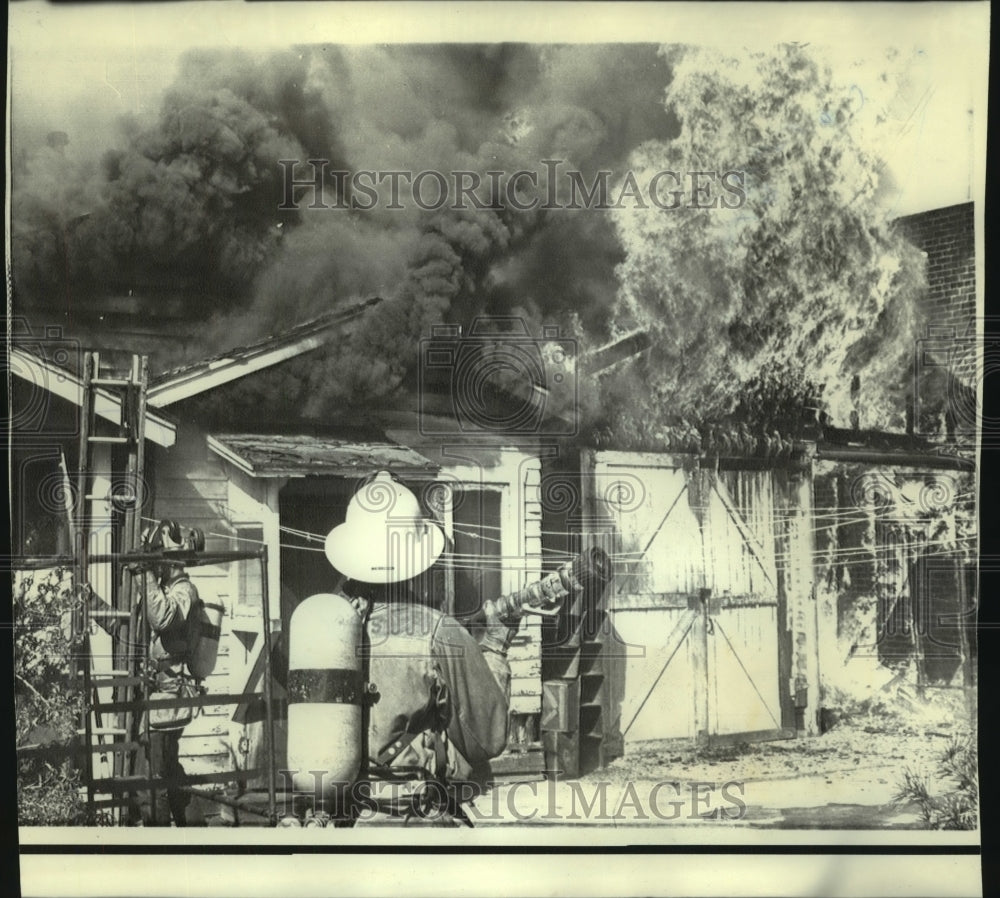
point(169, 598)
point(443, 695)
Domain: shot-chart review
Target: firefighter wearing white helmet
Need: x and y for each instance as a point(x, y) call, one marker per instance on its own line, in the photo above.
point(443, 698)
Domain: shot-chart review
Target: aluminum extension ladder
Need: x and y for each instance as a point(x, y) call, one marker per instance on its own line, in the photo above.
point(101, 451)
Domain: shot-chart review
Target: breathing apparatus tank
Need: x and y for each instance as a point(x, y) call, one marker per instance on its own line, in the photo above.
point(204, 628)
point(325, 695)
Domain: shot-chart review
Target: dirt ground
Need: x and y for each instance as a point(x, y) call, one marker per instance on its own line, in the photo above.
point(847, 778)
point(869, 740)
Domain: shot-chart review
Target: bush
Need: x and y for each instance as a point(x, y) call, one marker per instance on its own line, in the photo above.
point(957, 808)
point(47, 706)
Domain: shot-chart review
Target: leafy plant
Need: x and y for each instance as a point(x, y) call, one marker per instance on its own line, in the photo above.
point(958, 808)
point(47, 706)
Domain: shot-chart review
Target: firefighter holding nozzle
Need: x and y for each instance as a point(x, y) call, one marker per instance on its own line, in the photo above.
point(184, 638)
point(443, 694)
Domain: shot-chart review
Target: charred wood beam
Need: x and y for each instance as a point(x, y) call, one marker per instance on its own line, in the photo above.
point(629, 345)
point(889, 457)
point(874, 439)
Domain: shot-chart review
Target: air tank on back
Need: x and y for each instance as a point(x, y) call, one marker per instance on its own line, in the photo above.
point(325, 694)
point(204, 630)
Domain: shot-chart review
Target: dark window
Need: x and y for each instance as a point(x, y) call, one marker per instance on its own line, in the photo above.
point(249, 589)
point(478, 559)
point(42, 498)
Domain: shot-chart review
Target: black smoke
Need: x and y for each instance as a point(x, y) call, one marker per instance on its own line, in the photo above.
point(188, 206)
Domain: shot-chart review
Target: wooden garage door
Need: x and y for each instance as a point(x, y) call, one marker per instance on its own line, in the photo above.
point(694, 604)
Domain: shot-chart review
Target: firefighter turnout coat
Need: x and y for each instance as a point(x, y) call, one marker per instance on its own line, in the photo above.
point(440, 707)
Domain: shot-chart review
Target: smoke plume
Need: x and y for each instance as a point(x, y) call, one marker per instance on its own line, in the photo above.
point(188, 206)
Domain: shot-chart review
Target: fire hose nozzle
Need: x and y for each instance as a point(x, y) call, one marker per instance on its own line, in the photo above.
point(545, 596)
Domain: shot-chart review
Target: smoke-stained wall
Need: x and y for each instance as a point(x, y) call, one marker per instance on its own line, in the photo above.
point(893, 596)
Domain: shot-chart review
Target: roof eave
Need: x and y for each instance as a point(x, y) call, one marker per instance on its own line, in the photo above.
point(68, 386)
point(219, 372)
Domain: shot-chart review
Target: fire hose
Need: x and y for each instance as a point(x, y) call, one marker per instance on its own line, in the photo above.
point(590, 569)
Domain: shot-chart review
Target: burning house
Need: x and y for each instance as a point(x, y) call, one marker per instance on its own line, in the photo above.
point(768, 564)
point(771, 571)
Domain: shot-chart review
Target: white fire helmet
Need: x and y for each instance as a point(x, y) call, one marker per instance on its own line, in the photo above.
point(385, 538)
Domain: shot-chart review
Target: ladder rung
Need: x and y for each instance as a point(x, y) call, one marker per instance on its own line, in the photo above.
point(102, 731)
point(109, 673)
point(109, 612)
point(116, 747)
point(123, 498)
point(117, 681)
point(116, 440)
point(109, 382)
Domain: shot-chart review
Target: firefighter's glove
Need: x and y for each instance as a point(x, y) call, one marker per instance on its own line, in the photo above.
point(550, 591)
point(147, 581)
point(360, 606)
point(501, 625)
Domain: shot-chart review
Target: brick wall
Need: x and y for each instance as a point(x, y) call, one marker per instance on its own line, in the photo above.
point(947, 236)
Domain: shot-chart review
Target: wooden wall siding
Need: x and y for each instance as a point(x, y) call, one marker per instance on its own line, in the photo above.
point(649, 594)
point(743, 525)
point(526, 651)
point(673, 561)
point(204, 743)
point(744, 682)
point(742, 644)
point(738, 557)
point(197, 489)
point(517, 476)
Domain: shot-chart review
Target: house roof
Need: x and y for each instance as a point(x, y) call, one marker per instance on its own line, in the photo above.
point(298, 455)
point(190, 380)
point(47, 375)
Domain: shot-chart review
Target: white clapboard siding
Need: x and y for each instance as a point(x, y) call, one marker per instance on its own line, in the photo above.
point(517, 476)
point(195, 488)
point(526, 650)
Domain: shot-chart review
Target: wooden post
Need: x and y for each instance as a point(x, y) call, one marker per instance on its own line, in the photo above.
point(800, 597)
point(268, 695)
point(968, 684)
point(699, 497)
